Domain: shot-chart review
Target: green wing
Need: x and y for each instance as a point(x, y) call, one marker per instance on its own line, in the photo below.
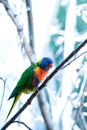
point(25, 81)
point(27, 76)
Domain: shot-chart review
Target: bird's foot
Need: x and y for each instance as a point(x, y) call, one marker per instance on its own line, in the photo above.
point(37, 89)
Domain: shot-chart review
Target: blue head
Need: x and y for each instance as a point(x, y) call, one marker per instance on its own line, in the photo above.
point(45, 63)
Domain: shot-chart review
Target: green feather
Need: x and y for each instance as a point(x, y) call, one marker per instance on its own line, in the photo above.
point(24, 82)
point(24, 85)
point(13, 104)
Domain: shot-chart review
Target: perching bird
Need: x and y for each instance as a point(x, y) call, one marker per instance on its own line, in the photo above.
point(30, 79)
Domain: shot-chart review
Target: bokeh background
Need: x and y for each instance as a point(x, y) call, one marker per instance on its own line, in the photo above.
point(59, 27)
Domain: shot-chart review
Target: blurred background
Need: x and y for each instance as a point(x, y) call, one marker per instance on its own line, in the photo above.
point(30, 30)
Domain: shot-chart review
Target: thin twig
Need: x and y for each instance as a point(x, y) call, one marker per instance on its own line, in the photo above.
point(68, 58)
point(20, 122)
point(4, 81)
point(28, 102)
point(74, 59)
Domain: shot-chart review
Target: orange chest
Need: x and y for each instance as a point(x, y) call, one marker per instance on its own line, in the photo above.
point(40, 74)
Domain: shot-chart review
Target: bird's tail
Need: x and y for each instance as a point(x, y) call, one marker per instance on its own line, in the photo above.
point(13, 104)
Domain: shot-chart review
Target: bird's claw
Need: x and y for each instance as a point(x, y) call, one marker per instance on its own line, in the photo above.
point(37, 89)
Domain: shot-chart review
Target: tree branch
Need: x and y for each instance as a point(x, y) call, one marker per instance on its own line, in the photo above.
point(30, 22)
point(28, 102)
point(73, 60)
point(45, 111)
point(24, 41)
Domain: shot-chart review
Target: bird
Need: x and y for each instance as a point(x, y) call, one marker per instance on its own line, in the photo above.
point(30, 79)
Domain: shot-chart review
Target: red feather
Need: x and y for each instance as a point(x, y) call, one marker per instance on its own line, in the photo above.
point(40, 74)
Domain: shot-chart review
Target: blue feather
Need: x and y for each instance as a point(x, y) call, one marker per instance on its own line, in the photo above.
point(46, 61)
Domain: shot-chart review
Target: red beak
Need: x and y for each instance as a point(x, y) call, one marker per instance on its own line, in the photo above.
point(51, 65)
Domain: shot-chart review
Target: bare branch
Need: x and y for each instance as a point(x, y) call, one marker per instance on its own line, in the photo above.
point(25, 43)
point(30, 22)
point(45, 111)
point(74, 60)
point(12, 16)
point(20, 122)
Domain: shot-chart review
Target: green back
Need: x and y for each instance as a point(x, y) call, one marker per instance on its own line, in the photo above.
point(25, 81)
point(27, 76)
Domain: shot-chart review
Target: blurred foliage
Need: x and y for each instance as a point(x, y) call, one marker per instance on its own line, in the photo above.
point(81, 2)
point(57, 47)
point(57, 54)
point(81, 25)
point(61, 16)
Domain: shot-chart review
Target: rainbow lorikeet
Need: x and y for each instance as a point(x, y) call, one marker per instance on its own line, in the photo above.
point(30, 79)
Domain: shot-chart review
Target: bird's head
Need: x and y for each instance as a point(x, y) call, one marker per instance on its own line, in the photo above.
point(45, 63)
